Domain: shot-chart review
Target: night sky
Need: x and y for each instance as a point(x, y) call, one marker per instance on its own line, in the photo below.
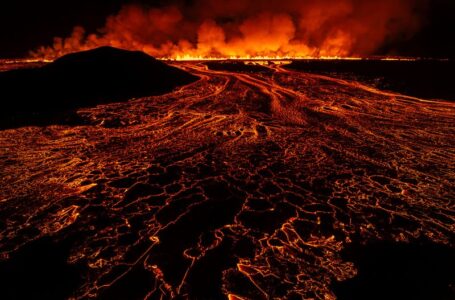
point(25, 25)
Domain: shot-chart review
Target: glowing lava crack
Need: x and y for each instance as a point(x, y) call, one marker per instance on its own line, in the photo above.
point(240, 185)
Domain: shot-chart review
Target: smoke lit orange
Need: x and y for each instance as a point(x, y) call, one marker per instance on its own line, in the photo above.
point(250, 29)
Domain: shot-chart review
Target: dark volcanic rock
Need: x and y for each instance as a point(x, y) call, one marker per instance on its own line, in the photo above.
point(84, 79)
point(419, 270)
point(432, 79)
point(39, 271)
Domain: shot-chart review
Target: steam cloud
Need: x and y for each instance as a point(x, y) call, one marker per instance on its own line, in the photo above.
point(250, 28)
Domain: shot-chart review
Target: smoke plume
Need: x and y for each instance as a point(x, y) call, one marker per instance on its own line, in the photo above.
point(251, 28)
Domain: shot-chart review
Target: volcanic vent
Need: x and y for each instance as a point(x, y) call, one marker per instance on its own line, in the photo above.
point(250, 28)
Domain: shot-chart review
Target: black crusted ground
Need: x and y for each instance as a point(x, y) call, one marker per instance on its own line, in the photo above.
point(48, 94)
point(420, 270)
point(243, 185)
point(431, 79)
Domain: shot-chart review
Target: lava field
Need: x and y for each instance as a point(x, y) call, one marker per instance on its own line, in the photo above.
point(250, 183)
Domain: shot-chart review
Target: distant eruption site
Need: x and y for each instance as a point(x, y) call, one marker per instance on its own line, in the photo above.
point(207, 29)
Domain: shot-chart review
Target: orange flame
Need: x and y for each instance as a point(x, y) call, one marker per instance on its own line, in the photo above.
point(249, 29)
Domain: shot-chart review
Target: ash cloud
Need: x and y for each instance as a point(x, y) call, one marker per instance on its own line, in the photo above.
point(247, 28)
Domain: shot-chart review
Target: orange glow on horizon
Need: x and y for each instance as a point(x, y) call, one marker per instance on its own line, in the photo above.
point(189, 57)
point(248, 29)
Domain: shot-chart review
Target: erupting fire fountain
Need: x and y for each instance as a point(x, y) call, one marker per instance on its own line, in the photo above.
point(266, 154)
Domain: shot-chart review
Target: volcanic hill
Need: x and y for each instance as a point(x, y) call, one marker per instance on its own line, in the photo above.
point(103, 75)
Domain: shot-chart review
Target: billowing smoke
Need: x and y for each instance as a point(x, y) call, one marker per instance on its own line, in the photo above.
point(251, 28)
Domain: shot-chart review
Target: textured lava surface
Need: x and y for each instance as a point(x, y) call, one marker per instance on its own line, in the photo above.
point(242, 185)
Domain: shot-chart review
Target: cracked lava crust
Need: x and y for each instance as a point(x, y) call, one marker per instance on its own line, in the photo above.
point(241, 185)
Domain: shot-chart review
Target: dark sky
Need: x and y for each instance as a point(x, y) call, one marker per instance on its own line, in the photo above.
point(25, 25)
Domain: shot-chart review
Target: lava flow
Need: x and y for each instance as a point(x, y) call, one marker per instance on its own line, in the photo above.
point(242, 185)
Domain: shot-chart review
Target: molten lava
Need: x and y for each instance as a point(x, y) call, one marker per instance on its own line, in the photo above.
point(248, 183)
point(250, 29)
point(242, 185)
